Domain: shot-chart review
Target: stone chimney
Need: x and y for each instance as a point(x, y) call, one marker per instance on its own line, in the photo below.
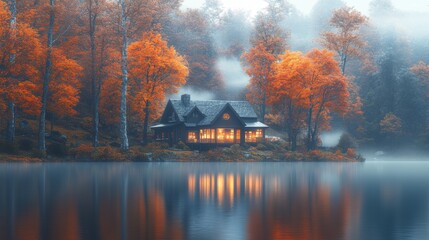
point(186, 99)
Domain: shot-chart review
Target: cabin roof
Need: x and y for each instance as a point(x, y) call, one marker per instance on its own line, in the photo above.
point(212, 108)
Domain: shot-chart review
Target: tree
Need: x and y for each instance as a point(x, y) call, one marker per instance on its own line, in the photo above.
point(288, 94)
point(46, 77)
point(258, 63)
point(64, 86)
point(313, 82)
point(58, 64)
point(421, 70)
point(391, 125)
point(268, 33)
point(213, 10)
point(93, 12)
point(190, 34)
point(155, 70)
point(328, 92)
point(20, 53)
point(346, 41)
point(124, 68)
point(268, 41)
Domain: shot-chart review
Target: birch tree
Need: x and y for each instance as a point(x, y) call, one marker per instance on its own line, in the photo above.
point(124, 70)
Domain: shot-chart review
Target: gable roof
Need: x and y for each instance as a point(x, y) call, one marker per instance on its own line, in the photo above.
point(212, 108)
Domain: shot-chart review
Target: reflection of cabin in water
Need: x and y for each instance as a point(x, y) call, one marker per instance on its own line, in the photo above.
point(209, 123)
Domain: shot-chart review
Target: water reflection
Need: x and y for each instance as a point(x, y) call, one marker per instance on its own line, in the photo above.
point(214, 201)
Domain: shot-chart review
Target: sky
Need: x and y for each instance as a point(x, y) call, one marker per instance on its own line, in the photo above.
point(305, 6)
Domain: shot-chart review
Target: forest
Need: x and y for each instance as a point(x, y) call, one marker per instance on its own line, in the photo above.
point(99, 72)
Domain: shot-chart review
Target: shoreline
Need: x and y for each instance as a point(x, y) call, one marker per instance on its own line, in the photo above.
point(188, 156)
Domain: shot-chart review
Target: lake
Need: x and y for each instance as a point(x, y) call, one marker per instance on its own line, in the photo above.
point(90, 201)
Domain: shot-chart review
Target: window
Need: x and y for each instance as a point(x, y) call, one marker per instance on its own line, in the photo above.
point(250, 136)
point(259, 134)
point(226, 116)
point(192, 137)
point(253, 136)
point(207, 135)
point(225, 135)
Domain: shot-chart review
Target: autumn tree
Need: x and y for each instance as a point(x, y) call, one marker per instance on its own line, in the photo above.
point(346, 39)
point(190, 34)
point(268, 41)
point(20, 52)
point(328, 92)
point(289, 94)
point(391, 127)
point(99, 44)
point(155, 71)
point(59, 44)
point(64, 86)
point(313, 82)
point(258, 63)
point(421, 70)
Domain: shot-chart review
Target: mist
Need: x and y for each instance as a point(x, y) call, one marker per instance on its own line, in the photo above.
point(196, 94)
point(232, 72)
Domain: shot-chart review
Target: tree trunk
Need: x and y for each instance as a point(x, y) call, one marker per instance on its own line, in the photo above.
point(10, 136)
point(95, 92)
point(343, 64)
point(146, 122)
point(124, 68)
point(46, 78)
point(263, 108)
point(309, 127)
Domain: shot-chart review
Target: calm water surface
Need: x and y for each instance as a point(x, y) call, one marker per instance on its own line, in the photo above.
point(90, 201)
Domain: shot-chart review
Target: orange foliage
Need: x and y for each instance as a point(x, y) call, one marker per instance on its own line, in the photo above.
point(346, 41)
point(20, 54)
point(155, 70)
point(351, 153)
point(110, 93)
point(421, 70)
point(313, 82)
point(391, 124)
point(64, 86)
point(258, 61)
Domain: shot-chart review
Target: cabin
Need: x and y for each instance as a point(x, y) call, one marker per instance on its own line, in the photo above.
point(207, 124)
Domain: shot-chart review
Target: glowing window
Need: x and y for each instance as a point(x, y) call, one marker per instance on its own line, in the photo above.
point(207, 135)
point(226, 116)
point(225, 135)
point(192, 137)
point(254, 136)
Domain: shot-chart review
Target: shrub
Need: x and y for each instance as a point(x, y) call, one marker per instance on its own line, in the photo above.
point(236, 149)
point(215, 155)
point(8, 147)
point(155, 146)
point(57, 149)
point(261, 147)
point(136, 154)
point(83, 151)
point(346, 142)
point(351, 153)
point(25, 144)
point(108, 153)
point(181, 145)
